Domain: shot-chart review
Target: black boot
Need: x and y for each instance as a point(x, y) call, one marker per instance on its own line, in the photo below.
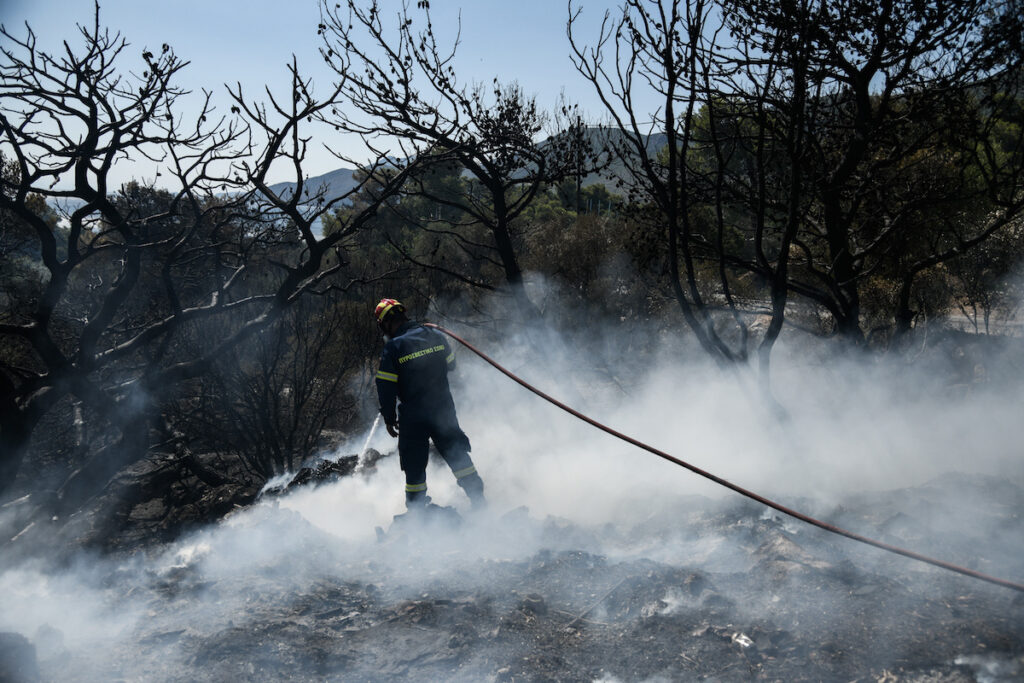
point(473, 485)
point(416, 501)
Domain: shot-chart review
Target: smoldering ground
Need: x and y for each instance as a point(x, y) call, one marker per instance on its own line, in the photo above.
point(598, 561)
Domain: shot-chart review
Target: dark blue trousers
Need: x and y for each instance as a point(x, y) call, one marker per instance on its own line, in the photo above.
point(414, 436)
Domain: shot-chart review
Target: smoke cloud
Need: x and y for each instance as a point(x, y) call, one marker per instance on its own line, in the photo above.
point(856, 430)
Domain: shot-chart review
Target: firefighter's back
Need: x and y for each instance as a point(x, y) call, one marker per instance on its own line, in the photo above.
point(423, 357)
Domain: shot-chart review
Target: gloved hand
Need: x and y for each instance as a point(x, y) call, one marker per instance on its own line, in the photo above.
point(392, 428)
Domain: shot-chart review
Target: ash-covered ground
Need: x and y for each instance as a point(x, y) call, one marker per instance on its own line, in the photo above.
point(596, 561)
point(717, 589)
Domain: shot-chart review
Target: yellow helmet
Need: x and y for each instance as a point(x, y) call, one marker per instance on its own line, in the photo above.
point(386, 306)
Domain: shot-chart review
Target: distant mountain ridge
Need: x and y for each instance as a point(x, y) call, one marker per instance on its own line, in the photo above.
point(616, 174)
point(340, 181)
point(336, 183)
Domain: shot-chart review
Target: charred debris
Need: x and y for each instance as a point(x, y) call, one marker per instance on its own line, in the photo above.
point(709, 589)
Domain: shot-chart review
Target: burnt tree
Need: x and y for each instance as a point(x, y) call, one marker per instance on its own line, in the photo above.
point(816, 149)
point(910, 121)
point(132, 271)
point(405, 89)
point(663, 52)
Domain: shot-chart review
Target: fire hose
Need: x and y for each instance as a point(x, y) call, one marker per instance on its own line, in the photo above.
point(729, 485)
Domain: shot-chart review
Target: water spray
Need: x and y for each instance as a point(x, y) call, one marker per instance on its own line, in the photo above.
point(366, 444)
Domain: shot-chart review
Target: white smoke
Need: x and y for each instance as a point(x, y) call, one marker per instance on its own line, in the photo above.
point(853, 427)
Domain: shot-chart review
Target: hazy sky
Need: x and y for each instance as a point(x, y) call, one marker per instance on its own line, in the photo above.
point(252, 41)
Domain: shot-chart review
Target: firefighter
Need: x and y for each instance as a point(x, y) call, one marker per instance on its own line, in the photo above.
point(413, 372)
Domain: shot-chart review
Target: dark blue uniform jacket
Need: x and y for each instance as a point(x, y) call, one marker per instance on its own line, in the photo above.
point(413, 371)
